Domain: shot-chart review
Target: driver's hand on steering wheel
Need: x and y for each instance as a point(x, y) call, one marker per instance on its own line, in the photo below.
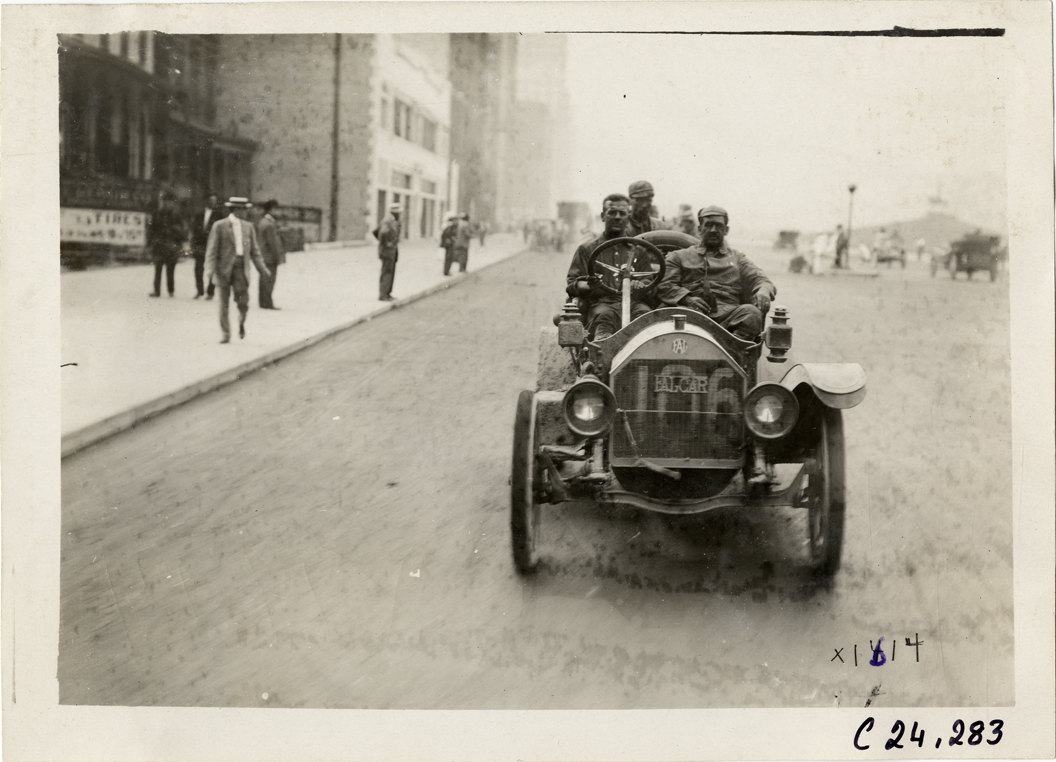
point(585, 287)
point(696, 303)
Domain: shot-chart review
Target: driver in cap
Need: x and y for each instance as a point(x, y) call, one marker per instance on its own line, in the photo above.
point(714, 279)
point(601, 309)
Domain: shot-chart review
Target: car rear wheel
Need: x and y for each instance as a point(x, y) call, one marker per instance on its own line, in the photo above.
point(525, 513)
point(825, 496)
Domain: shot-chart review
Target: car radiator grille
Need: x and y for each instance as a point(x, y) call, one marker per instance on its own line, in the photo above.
point(678, 409)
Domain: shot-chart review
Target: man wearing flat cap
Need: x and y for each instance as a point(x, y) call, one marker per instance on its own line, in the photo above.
point(388, 235)
point(718, 281)
point(232, 243)
point(448, 238)
point(271, 251)
point(641, 219)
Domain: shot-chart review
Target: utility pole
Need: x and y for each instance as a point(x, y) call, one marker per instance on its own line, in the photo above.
point(335, 156)
point(850, 215)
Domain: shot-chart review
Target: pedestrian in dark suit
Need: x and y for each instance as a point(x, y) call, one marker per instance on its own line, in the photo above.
point(167, 234)
point(200, 227)
point(271, 251)
point(463, 236)
point(447, 240)
point(388, 235)
point(232, 243)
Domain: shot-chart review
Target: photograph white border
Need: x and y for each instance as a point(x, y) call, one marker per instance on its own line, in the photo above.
point(35, 727)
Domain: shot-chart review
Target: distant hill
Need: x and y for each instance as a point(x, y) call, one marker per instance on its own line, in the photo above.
point(935, 229)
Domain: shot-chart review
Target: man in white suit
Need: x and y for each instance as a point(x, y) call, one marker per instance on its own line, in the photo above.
point(232, 243)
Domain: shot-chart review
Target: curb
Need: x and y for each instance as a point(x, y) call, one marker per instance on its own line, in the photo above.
point(78, 440)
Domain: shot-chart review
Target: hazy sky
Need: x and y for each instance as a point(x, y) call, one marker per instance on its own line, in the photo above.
point(776, 128)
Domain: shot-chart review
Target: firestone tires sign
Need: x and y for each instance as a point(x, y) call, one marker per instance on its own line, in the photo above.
point(107, 226)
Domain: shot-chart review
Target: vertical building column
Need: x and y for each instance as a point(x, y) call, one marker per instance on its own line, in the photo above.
point(334, 177)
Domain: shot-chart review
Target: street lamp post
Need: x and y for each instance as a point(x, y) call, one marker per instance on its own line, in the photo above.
point(850, 215)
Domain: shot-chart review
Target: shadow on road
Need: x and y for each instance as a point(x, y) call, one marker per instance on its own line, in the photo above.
point(755, 554)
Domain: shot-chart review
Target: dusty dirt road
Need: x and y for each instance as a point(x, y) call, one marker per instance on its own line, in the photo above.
point(333, 531)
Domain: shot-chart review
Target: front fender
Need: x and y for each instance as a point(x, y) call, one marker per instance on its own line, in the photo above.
point(837, 385)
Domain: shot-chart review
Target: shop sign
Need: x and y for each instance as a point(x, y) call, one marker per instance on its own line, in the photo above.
point(106, 226)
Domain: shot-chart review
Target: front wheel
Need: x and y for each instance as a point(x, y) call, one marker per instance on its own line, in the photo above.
point(525, 513)
point(825, 496)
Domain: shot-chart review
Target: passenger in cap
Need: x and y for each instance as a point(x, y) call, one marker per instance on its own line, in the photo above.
point(642, 219)
point(718, 281)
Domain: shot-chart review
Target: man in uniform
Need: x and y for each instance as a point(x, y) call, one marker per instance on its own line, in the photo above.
point(714, 279)
point(232, 243)
point(388, 235)
point(641, 219)
point(602, 309)
point(273, 253)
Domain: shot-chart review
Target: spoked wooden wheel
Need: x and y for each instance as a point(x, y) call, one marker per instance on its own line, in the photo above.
point(525, 479)
point(825, 496)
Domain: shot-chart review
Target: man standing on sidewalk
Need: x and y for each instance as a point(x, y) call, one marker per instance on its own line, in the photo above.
point(232, 243)
point(272, 252)
point(463, 235)
point(447, 240)
point(388, 235)
point(203, 223)
point(167, 235)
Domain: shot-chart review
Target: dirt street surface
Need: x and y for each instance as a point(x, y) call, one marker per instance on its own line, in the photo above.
point(333, 530)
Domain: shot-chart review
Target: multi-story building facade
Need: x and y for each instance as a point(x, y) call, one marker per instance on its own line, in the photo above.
point(482, 104)
point(137, 115)
point(338, 126)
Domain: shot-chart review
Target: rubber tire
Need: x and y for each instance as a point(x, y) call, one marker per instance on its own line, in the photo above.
point(825, 519)
point(669, 240)
point(525, 514)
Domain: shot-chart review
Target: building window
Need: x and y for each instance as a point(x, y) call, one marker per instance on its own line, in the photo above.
point(429, 134)
point(401, 180)
point(402, 119)
point(124, 45)
point(386, 123)
point(428, 216)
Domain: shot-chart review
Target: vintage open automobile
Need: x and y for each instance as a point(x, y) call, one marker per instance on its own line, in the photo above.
point(676, 415)
point(973, 252)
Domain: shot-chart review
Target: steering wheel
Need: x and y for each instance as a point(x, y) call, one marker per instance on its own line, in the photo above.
point(645, 267)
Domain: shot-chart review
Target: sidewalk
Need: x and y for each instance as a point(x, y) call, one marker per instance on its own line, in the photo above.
point(126, 356)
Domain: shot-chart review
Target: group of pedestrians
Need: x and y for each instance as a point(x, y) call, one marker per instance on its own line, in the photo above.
point(454, 240)
point(223, 243)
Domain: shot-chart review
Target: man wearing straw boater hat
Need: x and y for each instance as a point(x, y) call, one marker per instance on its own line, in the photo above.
point(232, 243)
